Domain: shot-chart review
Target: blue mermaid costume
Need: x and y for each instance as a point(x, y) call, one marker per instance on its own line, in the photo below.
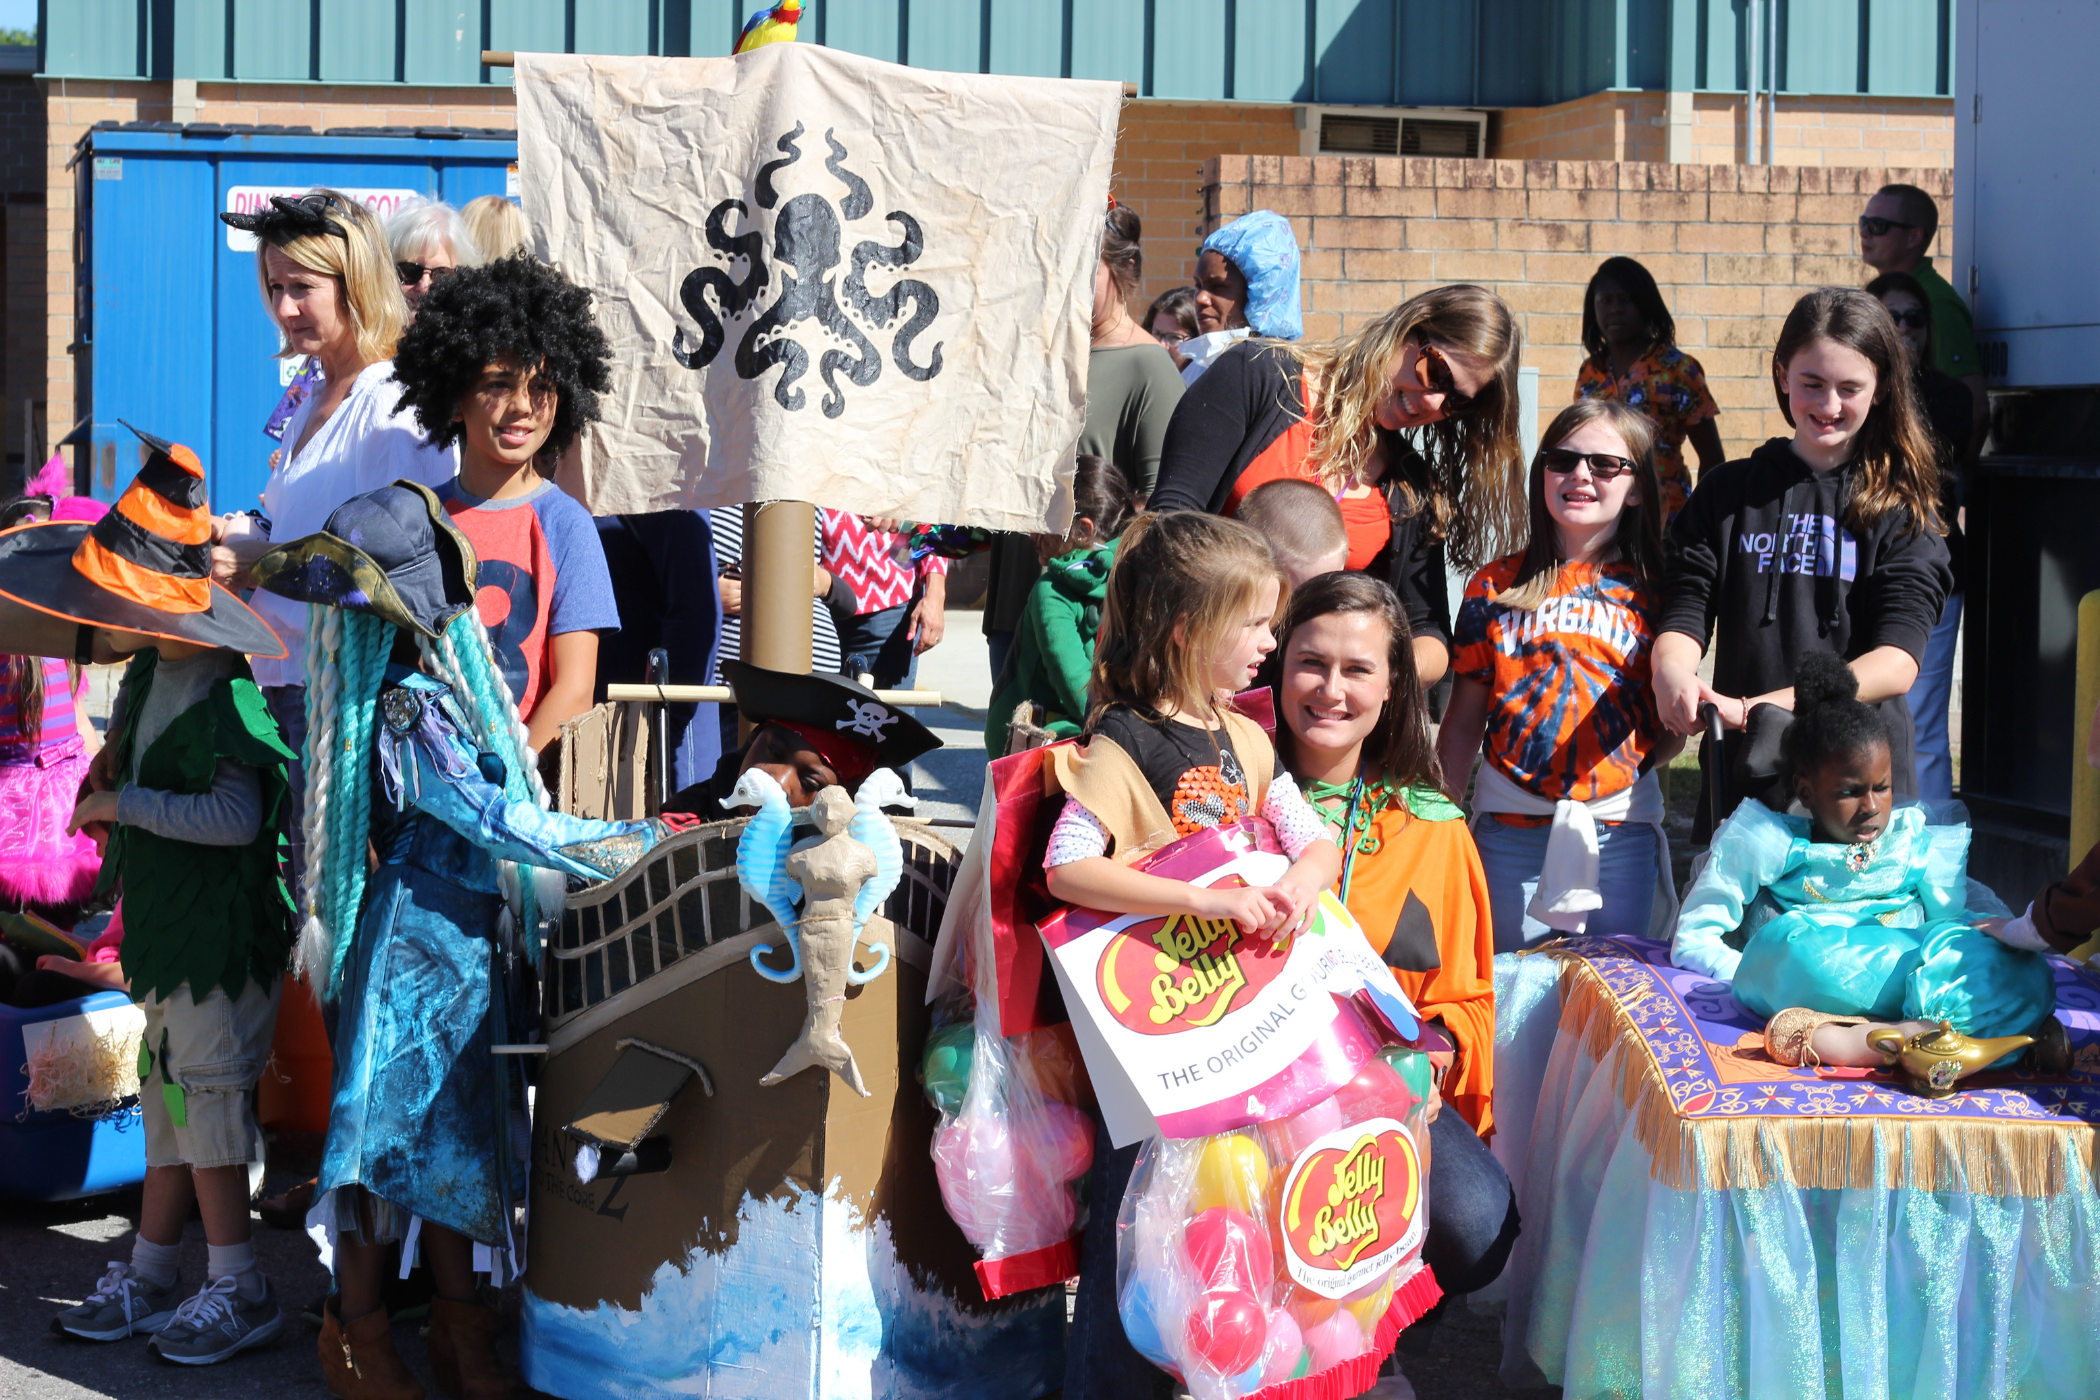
point(422, 1110)
point(1884, 932)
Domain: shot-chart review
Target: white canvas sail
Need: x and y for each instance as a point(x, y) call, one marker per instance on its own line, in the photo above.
point(825, 278)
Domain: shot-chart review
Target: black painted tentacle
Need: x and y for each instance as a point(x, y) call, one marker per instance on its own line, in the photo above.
point(767, 195)
point(928, 305)
point(733, 295)
point(858, 200)
point(861, 369)
point(753, 359)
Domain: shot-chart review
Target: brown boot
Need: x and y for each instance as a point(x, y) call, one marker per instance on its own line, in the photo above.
point(358, 1360)
point(462, 1351)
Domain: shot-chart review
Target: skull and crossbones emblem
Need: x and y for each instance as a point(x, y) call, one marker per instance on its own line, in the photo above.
point(868, 720)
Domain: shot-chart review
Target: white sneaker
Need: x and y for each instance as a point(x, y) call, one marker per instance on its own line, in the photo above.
point(217, 1322)
point(122, 1304)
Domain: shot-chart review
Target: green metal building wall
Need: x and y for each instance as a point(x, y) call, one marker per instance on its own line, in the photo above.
point(1472, 53)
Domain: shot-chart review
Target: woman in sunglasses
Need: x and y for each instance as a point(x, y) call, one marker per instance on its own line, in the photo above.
point(1410, 421)
point(430, 242)
point(1552, 676)
point(1951, 414)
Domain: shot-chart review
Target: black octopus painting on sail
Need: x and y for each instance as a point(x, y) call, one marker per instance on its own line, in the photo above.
point(807, 235)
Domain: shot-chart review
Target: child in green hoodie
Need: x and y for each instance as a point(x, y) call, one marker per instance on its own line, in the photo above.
point(1053, 652)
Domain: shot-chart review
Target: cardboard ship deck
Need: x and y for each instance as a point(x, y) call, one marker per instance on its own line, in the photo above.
point(796, 1245)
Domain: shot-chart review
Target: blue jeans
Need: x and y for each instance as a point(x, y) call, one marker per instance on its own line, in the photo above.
point(1928, 706)
point(879, 644)
point(1512, 855)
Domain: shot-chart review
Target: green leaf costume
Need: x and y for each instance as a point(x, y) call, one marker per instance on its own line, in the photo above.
point(211, 916)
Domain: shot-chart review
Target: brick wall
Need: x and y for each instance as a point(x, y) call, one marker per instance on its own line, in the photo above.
point(1733, 247)
point(22, 287)
point(1161, 148)
point(1865, 131)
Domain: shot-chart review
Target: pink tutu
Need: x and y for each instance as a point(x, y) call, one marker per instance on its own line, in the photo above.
point(40, 864)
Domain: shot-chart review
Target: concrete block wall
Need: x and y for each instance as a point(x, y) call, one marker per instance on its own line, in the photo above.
point(1733, 247)
point(1862, 131)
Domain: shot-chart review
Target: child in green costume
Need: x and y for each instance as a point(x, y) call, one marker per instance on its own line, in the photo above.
point(187, 792)
point(1053, 650)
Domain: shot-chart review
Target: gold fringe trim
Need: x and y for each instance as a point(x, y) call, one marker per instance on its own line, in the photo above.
point(1850, 1152)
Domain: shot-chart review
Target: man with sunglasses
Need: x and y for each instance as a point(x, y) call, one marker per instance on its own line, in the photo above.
point(1894, 232)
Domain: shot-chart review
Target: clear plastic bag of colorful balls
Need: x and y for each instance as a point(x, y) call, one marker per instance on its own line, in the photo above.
point(1014, 1140)
point(1284, 1259)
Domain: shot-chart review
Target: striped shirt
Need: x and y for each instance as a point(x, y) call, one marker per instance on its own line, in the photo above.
point(875, 564)
point(59, 728)
point(824, 654)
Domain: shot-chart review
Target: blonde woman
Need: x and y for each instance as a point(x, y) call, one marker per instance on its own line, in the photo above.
point(496, 225)
point(1410, 421)
point(327, 277)
point(429, 242)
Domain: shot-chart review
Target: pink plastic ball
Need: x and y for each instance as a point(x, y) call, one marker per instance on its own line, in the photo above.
point(1229, 1251)
point(973, 1159)
point(1068, 1142)
point(1227, 1331)
point(1285, 1349)
point(1377, 1091)
point(1333, 1340)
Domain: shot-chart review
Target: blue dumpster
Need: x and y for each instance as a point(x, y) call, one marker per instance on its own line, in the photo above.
point(173, 335)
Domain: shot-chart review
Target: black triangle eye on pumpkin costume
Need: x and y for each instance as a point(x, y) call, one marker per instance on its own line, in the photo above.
point(144, 567)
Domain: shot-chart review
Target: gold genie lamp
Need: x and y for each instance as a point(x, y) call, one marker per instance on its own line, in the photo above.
point(1935, 1061)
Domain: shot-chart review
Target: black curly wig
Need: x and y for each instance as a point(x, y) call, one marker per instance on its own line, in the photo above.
point(514, 306)
point(1830, 720)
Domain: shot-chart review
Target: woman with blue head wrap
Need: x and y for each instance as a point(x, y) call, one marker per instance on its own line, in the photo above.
point(1246, 284)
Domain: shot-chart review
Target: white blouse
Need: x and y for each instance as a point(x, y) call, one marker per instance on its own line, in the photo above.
point(369, 443)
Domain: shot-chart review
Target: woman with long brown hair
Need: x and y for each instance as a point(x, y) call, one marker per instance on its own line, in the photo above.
point(1354, 732)
point(1829, 541)
point(1411, 421)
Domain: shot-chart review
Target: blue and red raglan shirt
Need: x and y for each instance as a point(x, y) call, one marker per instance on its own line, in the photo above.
point(542, 573)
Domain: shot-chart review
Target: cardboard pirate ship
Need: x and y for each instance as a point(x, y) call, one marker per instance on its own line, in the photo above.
point(798, 313)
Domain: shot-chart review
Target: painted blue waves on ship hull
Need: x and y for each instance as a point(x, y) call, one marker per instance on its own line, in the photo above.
point(806, 1305)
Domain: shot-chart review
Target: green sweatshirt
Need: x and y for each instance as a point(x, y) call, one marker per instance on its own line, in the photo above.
point(1053, 654)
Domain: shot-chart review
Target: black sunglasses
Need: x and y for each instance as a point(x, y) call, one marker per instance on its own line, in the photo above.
point(1916, 320)
point(1877, 227)
point(412, 272)
point(1434, 372)
point(1603, 465)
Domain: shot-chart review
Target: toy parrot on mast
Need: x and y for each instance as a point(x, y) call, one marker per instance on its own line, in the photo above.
point(772, 25)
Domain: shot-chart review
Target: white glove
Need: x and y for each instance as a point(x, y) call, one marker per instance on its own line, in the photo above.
point(2019, 933)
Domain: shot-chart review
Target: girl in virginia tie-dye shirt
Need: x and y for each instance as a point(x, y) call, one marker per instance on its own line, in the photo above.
point(1551, 666)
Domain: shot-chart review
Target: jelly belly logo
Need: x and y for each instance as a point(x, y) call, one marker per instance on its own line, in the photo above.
point(1352, 1206)
point(1176, 974)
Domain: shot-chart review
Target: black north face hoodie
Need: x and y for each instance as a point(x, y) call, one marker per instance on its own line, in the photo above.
point(1761, 560)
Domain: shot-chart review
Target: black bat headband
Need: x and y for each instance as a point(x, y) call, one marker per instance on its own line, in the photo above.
point(287, 219)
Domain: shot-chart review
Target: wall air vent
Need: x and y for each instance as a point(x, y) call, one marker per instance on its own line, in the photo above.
point(1391, 131)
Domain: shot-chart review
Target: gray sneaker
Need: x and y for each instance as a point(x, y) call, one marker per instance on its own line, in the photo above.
point(123, 1303)
point(217, 1322)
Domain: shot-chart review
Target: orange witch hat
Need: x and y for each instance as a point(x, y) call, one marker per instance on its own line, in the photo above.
point(143, 567)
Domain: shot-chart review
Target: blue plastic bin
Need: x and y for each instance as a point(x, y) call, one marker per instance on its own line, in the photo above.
point(55, 1156)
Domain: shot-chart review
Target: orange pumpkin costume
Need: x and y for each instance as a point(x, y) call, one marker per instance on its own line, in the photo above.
point(1415, 883)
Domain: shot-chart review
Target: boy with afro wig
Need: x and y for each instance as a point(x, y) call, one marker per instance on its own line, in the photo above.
point(506, 361)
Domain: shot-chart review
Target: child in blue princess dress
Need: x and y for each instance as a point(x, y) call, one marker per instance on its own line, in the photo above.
point(1851, 913)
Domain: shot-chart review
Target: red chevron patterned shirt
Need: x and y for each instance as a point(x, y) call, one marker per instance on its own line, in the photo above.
point(875, 564)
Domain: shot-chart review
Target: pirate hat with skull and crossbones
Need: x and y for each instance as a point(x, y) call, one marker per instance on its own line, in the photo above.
point(838, 708)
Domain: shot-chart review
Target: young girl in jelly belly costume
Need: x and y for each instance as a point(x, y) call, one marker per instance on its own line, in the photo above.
point(1858, 914)
point(1191, 601)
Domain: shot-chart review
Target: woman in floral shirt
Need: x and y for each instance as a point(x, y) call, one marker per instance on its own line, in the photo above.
point(1634, 358)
